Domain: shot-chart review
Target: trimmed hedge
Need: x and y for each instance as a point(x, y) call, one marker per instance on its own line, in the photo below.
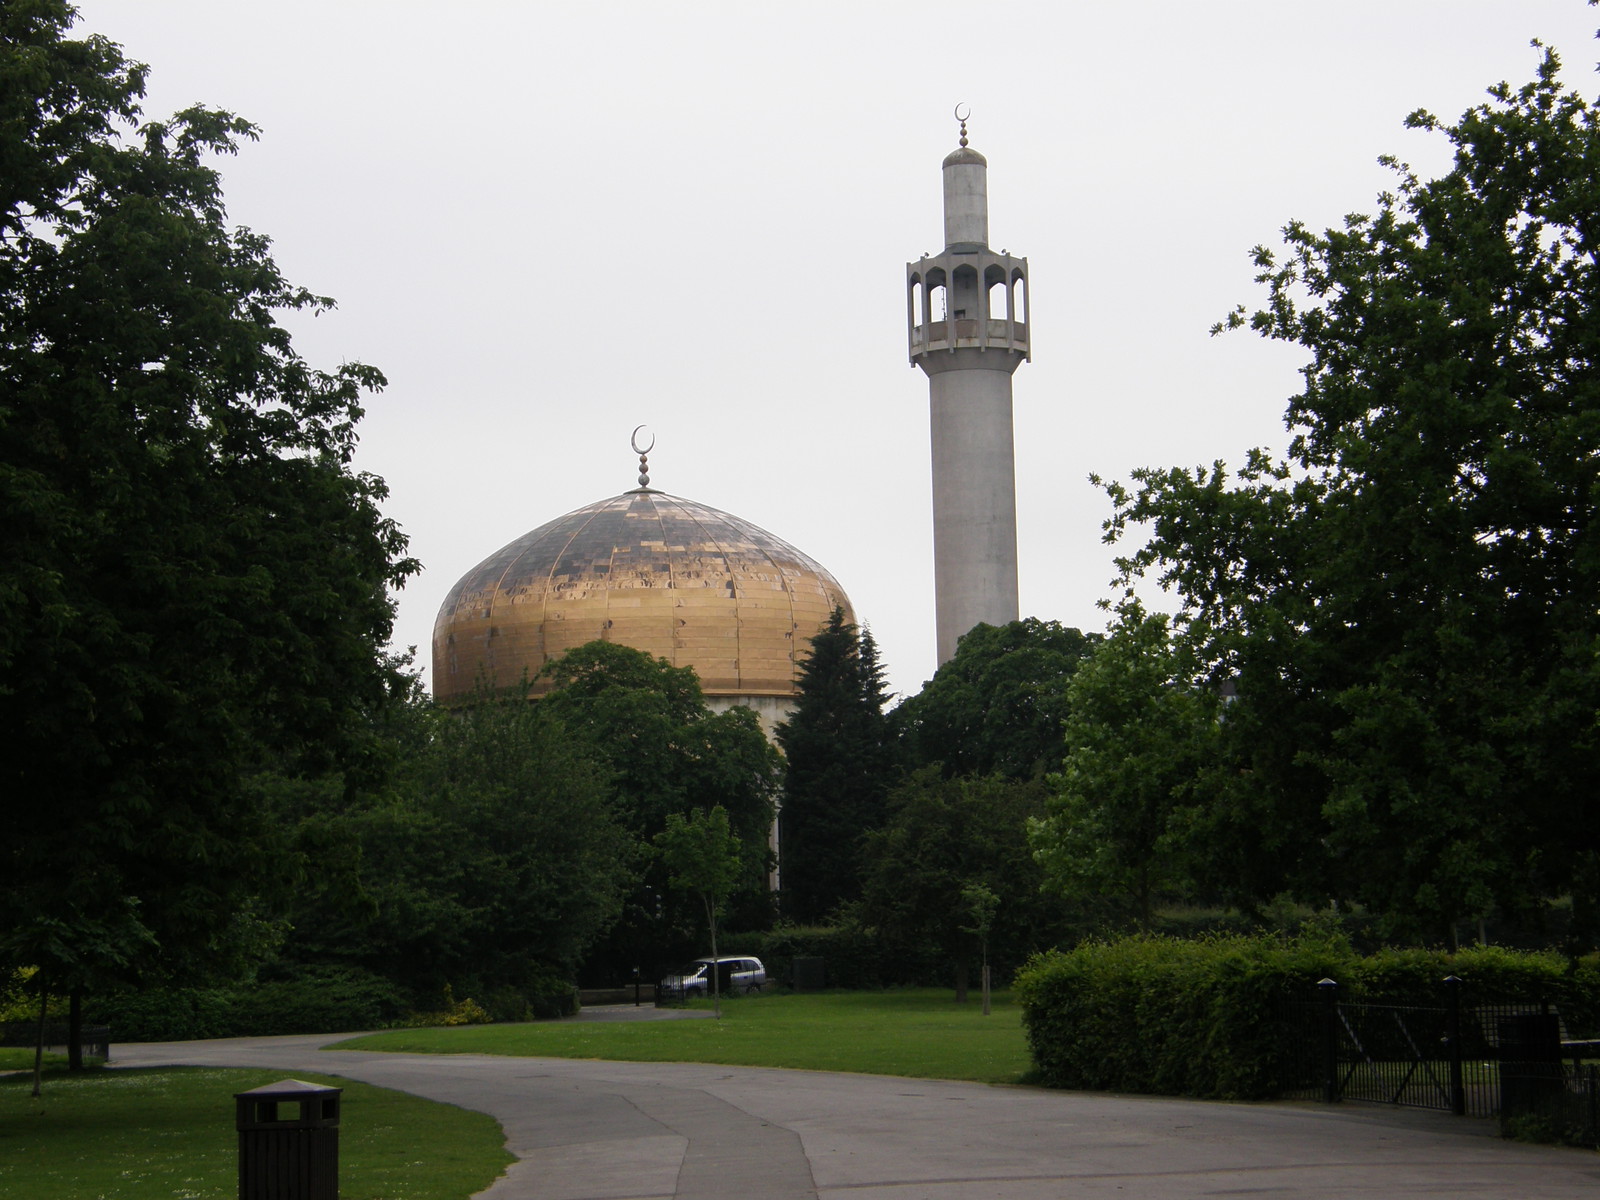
point(313, 1000)
point(1210, 1017)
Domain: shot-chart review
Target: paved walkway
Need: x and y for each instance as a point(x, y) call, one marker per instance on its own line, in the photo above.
point(586, 1130)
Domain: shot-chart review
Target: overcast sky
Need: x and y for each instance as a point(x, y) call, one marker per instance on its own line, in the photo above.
point(548, 223)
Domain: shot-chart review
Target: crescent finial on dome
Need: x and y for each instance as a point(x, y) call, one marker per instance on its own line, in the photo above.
point(644, 454)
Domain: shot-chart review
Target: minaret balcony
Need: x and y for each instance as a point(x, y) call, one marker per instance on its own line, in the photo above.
point(959, 300)
point(969, 333)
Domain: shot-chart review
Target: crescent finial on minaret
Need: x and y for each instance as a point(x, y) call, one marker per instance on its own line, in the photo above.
point(962, 117)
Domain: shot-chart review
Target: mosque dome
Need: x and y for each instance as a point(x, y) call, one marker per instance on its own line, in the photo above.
point(679, 580)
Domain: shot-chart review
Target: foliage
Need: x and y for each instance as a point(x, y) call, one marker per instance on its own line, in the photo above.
point(1149, 1014)
point(133, 1134)
point(15, 1002)
point(493, 862)
point(453, 1012)
point(910, 1032)
point(1139, 734)
point(308, 1000)
point(851, 955)
point(703, 857)
point(943, 836)
point(665, 752)
point(194, 582)
point(537, 998)
point(1406, 601)
point(1207, 1017)
point(840, 763)
point(997, 706)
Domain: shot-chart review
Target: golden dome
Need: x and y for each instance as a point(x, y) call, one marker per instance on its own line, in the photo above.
point(679, 580)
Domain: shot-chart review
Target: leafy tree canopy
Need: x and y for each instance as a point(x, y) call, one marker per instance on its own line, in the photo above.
point(666, 750)
point(997, 706)
point(194, 582)
point(702, 856)
point(1406, 603)
point(666, 754)
point(1140, 736)
point(493, 862)
point(944, 844)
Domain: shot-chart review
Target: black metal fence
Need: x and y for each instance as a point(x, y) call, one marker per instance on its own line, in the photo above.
point(1552, 1102)
point(94, 1039)
point(1511, 1060)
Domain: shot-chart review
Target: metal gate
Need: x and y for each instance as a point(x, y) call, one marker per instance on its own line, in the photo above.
point(1508, 1060)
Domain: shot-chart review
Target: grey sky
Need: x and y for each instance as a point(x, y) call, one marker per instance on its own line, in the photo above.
point(550, 222)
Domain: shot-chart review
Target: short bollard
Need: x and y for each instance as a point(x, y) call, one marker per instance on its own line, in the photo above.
point(289, 1141)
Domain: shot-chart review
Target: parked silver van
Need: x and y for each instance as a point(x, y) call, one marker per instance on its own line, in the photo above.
point(738, 973)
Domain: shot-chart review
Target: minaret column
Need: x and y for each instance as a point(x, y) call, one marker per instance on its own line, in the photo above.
point(968, 331)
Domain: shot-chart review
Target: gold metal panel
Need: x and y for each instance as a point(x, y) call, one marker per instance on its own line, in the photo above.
point(673, 578)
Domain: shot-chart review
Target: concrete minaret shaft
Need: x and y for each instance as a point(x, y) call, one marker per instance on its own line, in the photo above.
point(967, 313)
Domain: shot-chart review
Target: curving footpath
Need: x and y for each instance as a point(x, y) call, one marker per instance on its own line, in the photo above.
point(585, 1130)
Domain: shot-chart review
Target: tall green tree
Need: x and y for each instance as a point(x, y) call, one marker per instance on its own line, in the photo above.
point(194, 582)
point(702, 856)
point(840, 766)
point(1406, 602)
point(996, 708)
point(1140, 740)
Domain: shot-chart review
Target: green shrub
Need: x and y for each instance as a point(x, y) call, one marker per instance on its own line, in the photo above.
point(453, 1012)
point(298, 1000)
point(507, 1005)
point(1160, 1014)
point(163, 1014)
point(315, 1000)
point(550, 996)
point(1207, 1016)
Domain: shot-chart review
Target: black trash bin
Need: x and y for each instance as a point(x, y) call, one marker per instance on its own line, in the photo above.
point(289, 1141)
point(809, 974)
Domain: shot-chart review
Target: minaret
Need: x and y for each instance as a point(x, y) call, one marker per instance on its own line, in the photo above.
point(967, 310)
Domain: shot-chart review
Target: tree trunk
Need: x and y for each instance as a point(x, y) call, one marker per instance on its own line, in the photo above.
point(961, 981)
point(38, 1041)
point(75, 1029)
point(716, 967)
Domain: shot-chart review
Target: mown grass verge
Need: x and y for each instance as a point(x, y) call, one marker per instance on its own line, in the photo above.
point(20, 1058)
point(168, 1132)
point(919, 1033)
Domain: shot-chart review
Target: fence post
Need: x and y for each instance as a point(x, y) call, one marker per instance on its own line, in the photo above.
point(1330, 1038)
point(1458, 1088)
point(1594, 1106)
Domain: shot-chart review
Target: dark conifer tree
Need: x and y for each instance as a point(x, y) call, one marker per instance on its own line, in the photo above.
point(840, 768)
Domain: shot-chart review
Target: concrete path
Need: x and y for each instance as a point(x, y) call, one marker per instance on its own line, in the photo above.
point(586, 1130)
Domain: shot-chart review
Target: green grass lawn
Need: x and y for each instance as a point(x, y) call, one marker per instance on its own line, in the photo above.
point(20, 1058)
point(140, 1134)
point(921, 1033)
